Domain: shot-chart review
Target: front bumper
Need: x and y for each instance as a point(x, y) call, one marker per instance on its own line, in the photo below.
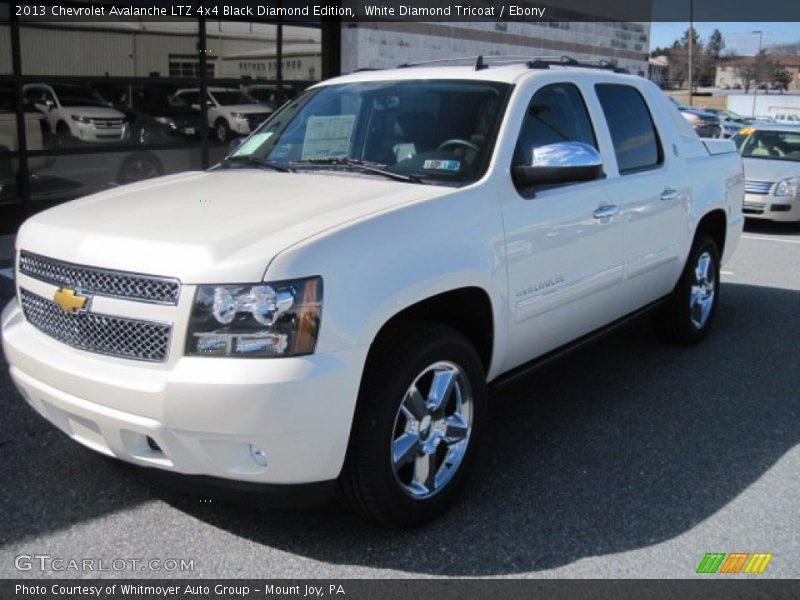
point(767, 206)
point(201, 415)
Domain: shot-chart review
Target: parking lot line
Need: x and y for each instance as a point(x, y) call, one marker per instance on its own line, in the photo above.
point(769, 239)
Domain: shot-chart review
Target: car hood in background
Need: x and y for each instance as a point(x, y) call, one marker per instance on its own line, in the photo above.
point(247, 108)
point(95, 112)
point(765, 169)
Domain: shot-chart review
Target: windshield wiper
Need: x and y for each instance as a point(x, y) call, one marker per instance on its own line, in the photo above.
point(257, 162)
point(361, 165)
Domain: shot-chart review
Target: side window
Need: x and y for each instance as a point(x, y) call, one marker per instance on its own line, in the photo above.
point(556, 113)
point(632, 130)
point(190, 97)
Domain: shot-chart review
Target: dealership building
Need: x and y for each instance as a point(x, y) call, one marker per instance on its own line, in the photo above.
point(44, 162)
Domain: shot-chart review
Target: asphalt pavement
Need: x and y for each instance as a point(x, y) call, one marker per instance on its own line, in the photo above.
point(629, 458)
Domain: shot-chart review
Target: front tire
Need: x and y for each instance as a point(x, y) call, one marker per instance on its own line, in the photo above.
point(222, 131)
point(687, 316)
point(420, 411)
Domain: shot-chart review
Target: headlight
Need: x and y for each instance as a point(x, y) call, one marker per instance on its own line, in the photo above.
point(81, 119)
point(238, 115)
point(166, 121)
point(257, 320)
point(788, 187)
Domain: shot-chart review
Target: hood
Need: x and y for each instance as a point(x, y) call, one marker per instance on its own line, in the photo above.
point(248, 109)
point(765, 169)
point(209, 227)
point(97, 112)
point(702, 114)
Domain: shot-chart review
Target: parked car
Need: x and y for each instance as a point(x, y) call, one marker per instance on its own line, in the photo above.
point(75, 112)
point(706, 124)
point(155, 114)
point(326, 308)
point(230, 111)
point(36, 128)
point(771, 156)
point(269, 95)
point(786, 118)
point(737, 86)
point(730, 121)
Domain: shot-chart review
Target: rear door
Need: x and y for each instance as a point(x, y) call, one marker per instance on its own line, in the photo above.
point(652, 193)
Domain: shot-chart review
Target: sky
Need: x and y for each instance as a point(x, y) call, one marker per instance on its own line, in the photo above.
point(737, 36)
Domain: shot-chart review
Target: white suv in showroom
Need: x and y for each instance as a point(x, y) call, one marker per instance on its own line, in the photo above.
point(74, 112)
point(230, 111)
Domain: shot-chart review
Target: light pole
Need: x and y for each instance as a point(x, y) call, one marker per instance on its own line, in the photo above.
point(691, 48)
point(755, 70)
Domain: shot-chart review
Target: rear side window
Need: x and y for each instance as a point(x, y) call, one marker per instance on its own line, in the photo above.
point(635, 138)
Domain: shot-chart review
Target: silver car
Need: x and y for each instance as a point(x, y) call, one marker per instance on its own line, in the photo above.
point(771, 155)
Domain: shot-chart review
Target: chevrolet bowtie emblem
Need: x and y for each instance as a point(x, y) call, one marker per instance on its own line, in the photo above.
point(69, 300)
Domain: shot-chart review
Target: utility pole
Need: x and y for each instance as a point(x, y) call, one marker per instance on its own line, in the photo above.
point(691, 48)
point(755, 63)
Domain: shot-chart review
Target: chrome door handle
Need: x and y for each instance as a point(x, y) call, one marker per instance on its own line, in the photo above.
point(605, 211)
point(668, 195)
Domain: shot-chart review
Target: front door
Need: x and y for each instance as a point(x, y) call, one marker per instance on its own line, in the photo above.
point(564, 244)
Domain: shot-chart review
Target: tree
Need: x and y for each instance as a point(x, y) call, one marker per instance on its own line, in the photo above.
point(782, 77)
point(759, 70)
point(711, 54)
point(715, 45)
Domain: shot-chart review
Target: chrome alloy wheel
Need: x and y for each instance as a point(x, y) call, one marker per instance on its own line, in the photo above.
point(432, 430)
point(703, 291)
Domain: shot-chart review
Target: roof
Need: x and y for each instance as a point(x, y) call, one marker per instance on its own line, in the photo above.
point(771, 127)
point(506, 73)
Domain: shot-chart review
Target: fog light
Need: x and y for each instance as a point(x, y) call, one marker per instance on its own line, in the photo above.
point(259, 455)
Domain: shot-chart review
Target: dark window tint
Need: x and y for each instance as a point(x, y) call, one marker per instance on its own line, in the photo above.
point(556, 113)
point(632, 131)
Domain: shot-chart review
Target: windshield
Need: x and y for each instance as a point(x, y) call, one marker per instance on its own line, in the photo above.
point(430, 131)
point(232, 97)
point(769, 145)
point(77, 96)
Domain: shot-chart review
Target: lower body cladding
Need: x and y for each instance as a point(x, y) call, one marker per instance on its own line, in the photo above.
point(280, 423)
point(761, 206)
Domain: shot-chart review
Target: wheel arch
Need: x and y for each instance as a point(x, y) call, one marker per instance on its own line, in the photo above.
point(468, 310)
point(714, 223)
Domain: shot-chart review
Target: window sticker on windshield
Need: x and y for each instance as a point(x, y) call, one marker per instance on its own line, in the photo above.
point(252, 143)
point(328, 137)
point(442, 165)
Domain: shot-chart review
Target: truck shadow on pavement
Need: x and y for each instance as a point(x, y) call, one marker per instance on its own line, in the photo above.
point(624, 444)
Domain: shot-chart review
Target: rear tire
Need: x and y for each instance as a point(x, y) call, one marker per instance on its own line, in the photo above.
point(687, 316)
point(420, 411)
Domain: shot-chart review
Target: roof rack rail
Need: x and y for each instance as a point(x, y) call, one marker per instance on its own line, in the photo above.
point(533, 62)
point(568, 61)
point(478, 62)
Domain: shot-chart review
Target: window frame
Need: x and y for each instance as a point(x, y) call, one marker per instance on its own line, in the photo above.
point(661, 155)
point(592, 126)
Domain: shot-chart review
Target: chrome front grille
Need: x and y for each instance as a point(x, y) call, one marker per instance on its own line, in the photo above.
point(102, 282)
point(101, 334)
point(757, 187)
point(100, 123)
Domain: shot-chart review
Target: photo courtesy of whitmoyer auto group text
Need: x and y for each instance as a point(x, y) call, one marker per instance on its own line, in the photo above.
point(400, 299)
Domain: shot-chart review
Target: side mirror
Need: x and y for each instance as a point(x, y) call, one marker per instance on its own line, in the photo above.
point(234, 144)
point(563, 162)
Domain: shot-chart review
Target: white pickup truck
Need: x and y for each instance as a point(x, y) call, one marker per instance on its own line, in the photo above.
point(325, 309)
